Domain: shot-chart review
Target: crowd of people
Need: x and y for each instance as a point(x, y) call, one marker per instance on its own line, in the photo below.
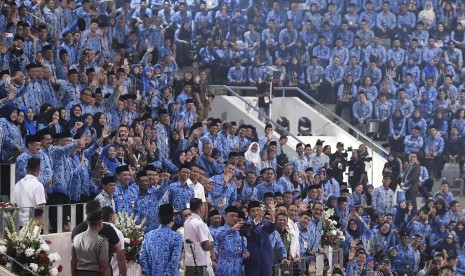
point(94, 106)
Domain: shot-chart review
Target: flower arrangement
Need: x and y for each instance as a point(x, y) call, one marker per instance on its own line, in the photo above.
point(133, 234)
point(29, 250)
point(331, 235)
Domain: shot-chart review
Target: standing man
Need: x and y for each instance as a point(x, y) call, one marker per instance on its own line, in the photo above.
point(161, 248)
point(225, 189)
point(198, 241)
point(411, 178)
point(115, 246)
point(179, 193)
point(105, 197)
point(29, 192)
point(232, 247)
point(383, 197)
point(90, 250)
point(259, 244)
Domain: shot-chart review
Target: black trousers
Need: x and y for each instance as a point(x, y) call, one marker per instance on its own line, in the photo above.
point(59, 199)
point(425, 189)
point(88, 273)
point(191, 271)
point(411, 194)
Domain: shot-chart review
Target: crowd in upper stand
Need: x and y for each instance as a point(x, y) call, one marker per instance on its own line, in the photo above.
point(94, 90)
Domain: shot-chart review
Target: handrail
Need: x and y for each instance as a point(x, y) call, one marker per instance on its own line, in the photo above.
point(256, 109)
point(16, 263)
point(320, 105)
point(14, 212)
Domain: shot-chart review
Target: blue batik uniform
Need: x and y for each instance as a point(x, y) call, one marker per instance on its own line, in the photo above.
point(210, 168)
point(408, 19)
point(386, 20)
point(405, 260)
point(178, 196)
point(430, 53)
point(375, 75)
point(224, 144)
point(323, 54)
point(314, 235)
point(362, 110)
point(309, 38)
point(396, 54)
point(147, 206)
point(355, 71)
point(268, 187)
point(21, 163)
point(332, 188)
point(46, 169)
point(231, 247)
point(161, 252)
point(34, 96)
point(447, 197)
point(220, 191)
point(383, 242)
point(382, 200)
point(247, 193)
point(300, 163)
point(62, 168)
point(285, 183)
point(278, 246)
point(434, 144)
point(413, 144)
point(11, 139)
point(162, 140)
point(125, 197)
point(418, 228)
point(69, 92)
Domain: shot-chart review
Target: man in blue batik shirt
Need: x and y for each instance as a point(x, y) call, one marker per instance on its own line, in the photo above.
point(231, 246)
point(126, 191)
point(224, 188)
point(405, 259)
point(361, 110)
point(269, 185)
point(161, 248)
point(180, 193)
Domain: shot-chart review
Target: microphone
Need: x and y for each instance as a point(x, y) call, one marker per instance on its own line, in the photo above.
point(188, 241)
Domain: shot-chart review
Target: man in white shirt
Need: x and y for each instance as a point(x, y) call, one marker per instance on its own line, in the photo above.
point(197, 240)
point(109, 217)
point(199, 190)
point(294, 231)
point(29, 192)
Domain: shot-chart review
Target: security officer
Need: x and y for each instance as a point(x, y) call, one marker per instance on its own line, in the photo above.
point(90, 250)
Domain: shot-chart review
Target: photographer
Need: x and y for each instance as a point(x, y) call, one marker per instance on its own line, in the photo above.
point(231, 244)
point(338, 162)
point(356, 170)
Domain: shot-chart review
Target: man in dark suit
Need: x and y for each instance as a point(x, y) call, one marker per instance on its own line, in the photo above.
point(258, 243)
point(411, 178)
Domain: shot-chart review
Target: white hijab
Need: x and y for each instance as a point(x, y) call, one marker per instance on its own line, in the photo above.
point(428, 15)
point(253, 157)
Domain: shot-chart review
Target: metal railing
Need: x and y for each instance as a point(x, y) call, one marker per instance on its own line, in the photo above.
point(269, 119)
point(7, 213)
point(322, 110)
point(16, 266)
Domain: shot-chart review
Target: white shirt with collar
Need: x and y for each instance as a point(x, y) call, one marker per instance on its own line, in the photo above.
point(196, 231)
point(28, 193)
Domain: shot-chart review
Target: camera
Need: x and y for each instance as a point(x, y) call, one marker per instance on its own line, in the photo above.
point(17, 51)
point(246, 230)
